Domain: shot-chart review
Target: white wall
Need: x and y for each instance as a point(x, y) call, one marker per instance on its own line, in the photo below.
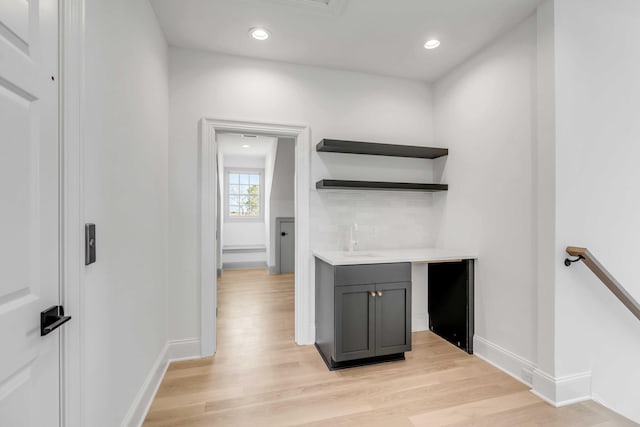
point(598, 202)
point(125, 195)
point(335, 104)
point(269, 171)
point(546, 195)
point(542, 131)
point(282, 200)
point(485, 115)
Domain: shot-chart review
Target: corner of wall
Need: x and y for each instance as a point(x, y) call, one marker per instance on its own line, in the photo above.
point(142, 402)
point(562, 391)
point(172, 351)
point(518, 367)
point(186, 349)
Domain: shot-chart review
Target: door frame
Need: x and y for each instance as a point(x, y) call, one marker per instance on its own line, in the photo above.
point(277, 268)
point(208, 210)
point(71, 98)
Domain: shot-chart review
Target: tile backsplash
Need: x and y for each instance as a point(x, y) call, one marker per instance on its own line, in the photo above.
point(385, 219)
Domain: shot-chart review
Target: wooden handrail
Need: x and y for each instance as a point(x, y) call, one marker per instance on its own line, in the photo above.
point(609, 281)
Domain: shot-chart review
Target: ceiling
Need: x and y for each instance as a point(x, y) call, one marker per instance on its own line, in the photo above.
point(231, 144)
point(377, 36)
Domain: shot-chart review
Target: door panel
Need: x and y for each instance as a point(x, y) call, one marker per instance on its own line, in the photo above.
point(15, 19)
point(287, 247)
point(393, 318)
point(355, 322)
point(29, 211)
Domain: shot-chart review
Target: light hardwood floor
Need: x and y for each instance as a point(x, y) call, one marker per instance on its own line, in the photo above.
point(260, 377)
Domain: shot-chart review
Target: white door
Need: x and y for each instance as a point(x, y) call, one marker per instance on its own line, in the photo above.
point(29, 214)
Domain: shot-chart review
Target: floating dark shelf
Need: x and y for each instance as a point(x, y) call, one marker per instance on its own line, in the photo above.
point(337, 184)
point(375, 149)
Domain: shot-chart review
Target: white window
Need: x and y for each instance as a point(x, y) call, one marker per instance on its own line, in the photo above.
point(245, 194)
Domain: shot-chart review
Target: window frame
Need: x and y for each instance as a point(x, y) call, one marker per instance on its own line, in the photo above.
point(244, 171)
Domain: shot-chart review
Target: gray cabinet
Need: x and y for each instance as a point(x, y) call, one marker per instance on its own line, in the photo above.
point(393, 318)
point(363, 313)
point(355, 332)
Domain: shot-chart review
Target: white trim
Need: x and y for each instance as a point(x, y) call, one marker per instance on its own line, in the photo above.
point(208, 242)
point(173, 351)
point(142, 402)
point(304, 309)
point(518, 367)
point(558, 392)
point(183, 349)
point(72, 28)
point(562, 391)
point(244, 265)
point(241, 249)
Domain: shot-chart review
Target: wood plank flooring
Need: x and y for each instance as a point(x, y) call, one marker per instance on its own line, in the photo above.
point(260, 377)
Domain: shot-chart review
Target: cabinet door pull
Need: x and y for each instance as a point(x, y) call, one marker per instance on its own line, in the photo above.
point(379, 293)
point(373, 294)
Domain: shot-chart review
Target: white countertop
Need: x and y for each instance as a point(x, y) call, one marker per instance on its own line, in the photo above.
point(386, 256)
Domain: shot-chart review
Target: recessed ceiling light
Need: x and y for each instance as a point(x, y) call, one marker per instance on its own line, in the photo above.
point(246, 146)
point(432, 44)
point(259, 33)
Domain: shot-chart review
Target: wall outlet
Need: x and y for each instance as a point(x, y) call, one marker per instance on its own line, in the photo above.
point(527, 375)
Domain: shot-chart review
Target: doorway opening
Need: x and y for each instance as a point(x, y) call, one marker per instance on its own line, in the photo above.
point(256, 203)
point(245, 201)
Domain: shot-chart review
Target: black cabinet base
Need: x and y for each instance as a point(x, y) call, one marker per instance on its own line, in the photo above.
point(334, 366)
point(450, 302)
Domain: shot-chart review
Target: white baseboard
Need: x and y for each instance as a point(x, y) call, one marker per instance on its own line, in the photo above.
point(171, 352)
point(142, 402)
point(307, 335)
point(183, 349)
point(558, 392)
point(419, 322)
point(518, 367)
point(273, 269)
point(562, 391)
point(244, 265)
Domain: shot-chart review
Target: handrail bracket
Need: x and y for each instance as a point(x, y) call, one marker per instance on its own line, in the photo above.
point(568, 261)
point(601, 273)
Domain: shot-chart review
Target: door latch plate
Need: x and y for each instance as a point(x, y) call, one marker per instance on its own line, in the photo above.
point(89, 244)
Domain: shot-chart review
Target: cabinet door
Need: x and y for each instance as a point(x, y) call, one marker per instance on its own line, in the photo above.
point(354, 328)
point(393, 318)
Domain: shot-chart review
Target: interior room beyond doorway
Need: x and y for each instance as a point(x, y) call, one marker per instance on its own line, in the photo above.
point(256, 177)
